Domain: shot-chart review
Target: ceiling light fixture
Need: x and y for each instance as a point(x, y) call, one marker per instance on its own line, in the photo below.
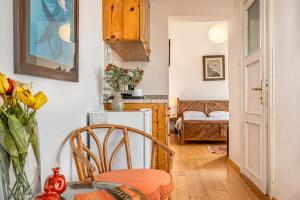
point(218, 33)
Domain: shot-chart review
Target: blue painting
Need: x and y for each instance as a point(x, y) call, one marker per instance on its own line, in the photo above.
point(51, 34)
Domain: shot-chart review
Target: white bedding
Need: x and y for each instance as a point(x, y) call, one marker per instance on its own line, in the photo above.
point(178, 122)
point(222, 114)
point(193, 115)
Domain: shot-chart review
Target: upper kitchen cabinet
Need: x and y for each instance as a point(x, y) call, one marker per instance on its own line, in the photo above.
point(126, 28)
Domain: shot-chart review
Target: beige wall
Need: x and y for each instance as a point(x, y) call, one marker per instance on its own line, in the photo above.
point(156, 80)
point(287, 97)
point(190, 42)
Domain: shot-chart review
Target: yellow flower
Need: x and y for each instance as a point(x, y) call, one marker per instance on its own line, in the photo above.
point(25, 96)
point(40, 100)
point(4, 84)
point(12, 101)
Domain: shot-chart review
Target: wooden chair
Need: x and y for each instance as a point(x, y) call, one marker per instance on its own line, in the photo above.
point(154, 184)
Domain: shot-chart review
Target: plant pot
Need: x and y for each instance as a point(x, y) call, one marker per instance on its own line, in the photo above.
point(20, 175)
point(117, 102)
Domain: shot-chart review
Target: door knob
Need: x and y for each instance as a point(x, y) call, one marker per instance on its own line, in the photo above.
point(261, 92)
point(260, 88)
point(257, 89)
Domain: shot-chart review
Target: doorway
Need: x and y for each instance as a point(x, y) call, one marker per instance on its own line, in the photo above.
point(197, 160)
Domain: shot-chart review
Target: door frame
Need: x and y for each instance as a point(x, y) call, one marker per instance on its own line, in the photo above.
point(271, 98)
point(269, 94)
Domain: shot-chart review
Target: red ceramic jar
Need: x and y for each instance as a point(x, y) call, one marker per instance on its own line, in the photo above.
point(48, 194)
point(57, 181)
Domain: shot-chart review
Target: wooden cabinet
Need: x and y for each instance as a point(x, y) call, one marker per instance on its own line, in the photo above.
point(160, 125)
point(126, 28)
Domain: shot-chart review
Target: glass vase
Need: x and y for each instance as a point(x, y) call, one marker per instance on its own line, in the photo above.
point(20, 167)
point(117, 102)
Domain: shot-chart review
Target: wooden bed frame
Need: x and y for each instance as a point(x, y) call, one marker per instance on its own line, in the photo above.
point(202, 130)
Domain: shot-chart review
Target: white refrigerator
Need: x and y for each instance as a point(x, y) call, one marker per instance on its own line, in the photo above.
point(140, 147)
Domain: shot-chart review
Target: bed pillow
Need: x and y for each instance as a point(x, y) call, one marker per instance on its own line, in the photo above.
point(222, 114)
point(194, 115)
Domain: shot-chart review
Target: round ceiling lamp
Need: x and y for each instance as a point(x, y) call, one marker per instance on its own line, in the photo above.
point(218, 33)
point(65, 32)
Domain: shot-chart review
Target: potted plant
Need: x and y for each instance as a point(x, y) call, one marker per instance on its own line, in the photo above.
point(19, 143)
point(118, 80)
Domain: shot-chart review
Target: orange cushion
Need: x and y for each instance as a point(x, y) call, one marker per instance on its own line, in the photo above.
point(154, 184)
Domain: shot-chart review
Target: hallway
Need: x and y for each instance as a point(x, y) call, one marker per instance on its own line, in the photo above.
point(200, 175)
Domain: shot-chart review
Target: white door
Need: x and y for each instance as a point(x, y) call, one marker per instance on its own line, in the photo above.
point(254, 77)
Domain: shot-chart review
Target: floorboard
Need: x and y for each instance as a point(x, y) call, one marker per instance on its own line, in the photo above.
point(201, 175)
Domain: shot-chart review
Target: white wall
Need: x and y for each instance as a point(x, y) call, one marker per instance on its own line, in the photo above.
point(156, 79)
point(68, 102)
point(234, 46)
point(287, 96)
point(189, 43)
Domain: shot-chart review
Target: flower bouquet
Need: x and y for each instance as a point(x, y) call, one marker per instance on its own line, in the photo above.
point(18, 137)
point(118, 79)
point(135, 77)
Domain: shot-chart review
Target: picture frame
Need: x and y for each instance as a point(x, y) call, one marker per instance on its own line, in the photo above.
point(46, 38)
point(214, 68)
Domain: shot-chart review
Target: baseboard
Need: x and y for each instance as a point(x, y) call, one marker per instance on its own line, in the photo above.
point(254, 188)
point(234, 165)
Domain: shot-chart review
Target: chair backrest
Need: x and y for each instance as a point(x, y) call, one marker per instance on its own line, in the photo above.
point(89, 164)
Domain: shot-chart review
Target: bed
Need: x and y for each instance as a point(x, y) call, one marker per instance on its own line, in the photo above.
point(208, 128)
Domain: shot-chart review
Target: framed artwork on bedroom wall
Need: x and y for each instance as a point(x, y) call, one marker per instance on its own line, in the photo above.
point(46, 38)
point(214, 68)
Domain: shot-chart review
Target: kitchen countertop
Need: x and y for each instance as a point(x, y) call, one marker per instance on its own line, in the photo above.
point(147, 99)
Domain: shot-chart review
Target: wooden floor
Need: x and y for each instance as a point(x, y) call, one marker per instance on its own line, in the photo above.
point(200, 175)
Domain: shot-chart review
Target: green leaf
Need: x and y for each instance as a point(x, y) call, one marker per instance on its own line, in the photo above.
point(18, 110)
point(31, 119)
point(9, 144)
point(20, 113)
point(19, 134)
point(34, 140)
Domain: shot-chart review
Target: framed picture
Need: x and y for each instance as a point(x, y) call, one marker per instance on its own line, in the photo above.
point(46, 38)
point(214, 68)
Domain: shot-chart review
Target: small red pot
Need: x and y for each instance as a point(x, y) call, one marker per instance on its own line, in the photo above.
point(48, 194)
point(57, 181)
